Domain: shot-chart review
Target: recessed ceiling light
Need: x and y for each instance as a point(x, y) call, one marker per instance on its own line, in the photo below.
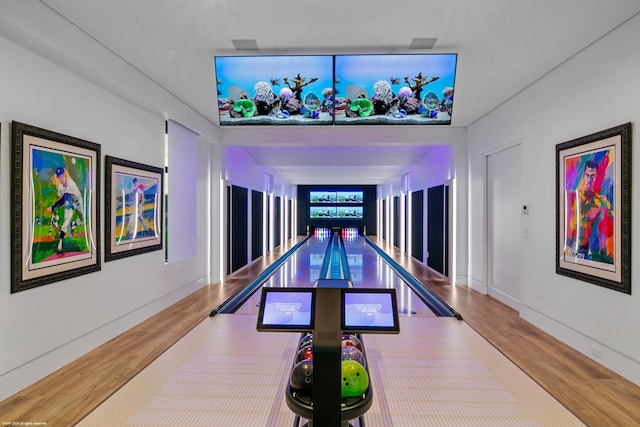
point(422, 43)
point(245, 44)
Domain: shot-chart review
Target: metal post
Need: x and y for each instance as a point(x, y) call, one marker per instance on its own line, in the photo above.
point(327, 368)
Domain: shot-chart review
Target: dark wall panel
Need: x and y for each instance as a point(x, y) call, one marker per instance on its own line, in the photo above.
point(369, 199)
point(384, 219)
point(417, 224)
point(302, 216)
point(406, 224)
point(446, 230)
point(239, 227)
point(396, 221)
point(435, 227)
point(229, 238)
point(257, 229)
point(289, 219)
point(269, 213)
point(278, 215)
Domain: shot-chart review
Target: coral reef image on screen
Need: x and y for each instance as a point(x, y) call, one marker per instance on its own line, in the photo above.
point(398, 89)
point(349, 196)
point(316, 212)
point(348, 212)
point(274, 90)
point(322, 196)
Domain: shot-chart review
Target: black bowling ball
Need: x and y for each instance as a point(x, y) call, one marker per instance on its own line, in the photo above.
point(305, 341)
point(301, 379)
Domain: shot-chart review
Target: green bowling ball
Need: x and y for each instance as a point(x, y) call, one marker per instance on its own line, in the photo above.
point(354, 379)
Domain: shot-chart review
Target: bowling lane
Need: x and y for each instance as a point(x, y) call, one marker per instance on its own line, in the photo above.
point(301, 270)
point(369, 270)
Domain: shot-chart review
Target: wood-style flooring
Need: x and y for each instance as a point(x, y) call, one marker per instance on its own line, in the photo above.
point(596, 395)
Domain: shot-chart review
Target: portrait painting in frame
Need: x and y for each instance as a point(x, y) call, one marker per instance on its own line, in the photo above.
point(55, 193)
point(593, 221)
point(133, 208)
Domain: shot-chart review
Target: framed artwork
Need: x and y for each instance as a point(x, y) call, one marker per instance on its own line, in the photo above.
point(133, 208)
point(593, 208)
point(55, 193)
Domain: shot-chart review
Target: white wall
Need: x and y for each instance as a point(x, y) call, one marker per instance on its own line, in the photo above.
point(461, 213)
point(217, 230)
point(241, 170)
point(597, 89)
point(49, 326)
point(238, 168)
point(443, 164)
point(436, 168)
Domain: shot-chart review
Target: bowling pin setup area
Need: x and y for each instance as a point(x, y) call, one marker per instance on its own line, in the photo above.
point(333, 334)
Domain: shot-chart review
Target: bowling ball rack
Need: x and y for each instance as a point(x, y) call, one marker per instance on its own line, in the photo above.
point(329, 310)
point(352, 408)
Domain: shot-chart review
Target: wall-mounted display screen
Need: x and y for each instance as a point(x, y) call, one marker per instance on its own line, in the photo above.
point(370, 310)
point(322, 197)
point(349, 212)
point(339, 205)
point(397, 89)
point(284, 309)
point(274, 90)
point(402, 89)
point(349, 197)
point(335, 197)
point(324, 212)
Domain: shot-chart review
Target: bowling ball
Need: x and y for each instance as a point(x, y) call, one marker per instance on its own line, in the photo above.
point(304, 354)
point(301, 379)
point(305, 341)
point(351, 340)
point(355, 380)
point(350, 352)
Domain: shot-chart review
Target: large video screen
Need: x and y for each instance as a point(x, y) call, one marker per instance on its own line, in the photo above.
point(274, 90)
point(349, 196)
point(369, 89)
point(323, 212)
point(349, 212)
point(402, 89)
point(322, 197)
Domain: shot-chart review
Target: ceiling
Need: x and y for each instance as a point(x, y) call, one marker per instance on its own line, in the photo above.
point(503, 46)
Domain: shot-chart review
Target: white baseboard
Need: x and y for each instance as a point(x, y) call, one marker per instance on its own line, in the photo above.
point(606, 356)
point(479, 286)
point(29, 372)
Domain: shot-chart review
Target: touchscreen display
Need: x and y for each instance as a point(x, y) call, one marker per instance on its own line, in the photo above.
point(370, 310)
point(286, 309)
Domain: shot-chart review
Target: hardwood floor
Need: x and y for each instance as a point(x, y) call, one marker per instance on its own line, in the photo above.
point(593, 393)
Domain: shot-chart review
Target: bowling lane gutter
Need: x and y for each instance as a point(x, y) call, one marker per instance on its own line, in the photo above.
point(231, 304)
point(439, 306)
point(335, 264)
point(326, 261)
point(344, 262)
